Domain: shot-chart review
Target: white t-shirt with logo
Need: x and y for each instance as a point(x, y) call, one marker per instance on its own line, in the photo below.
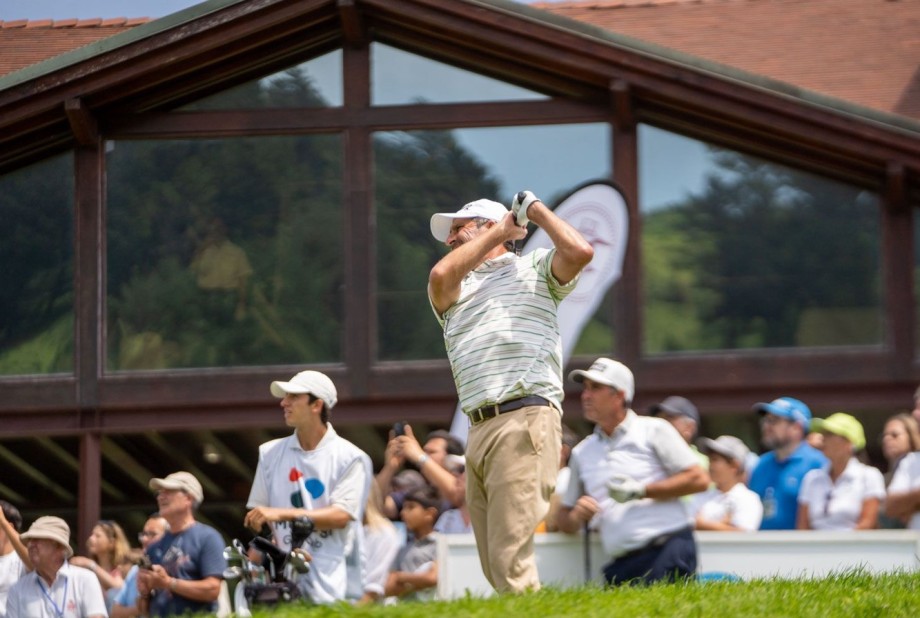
point(335, 473)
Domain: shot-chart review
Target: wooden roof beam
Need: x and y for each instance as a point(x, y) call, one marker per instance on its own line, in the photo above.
point(353, 26)
point(82, 122)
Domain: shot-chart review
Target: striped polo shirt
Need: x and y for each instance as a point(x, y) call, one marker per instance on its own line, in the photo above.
point(502, 336)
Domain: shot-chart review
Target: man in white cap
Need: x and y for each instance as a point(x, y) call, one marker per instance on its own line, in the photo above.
point(55, 589)
point(628, 476)
point(730, 505)
point(498, 312)
point(313, 473)
point(188, 561)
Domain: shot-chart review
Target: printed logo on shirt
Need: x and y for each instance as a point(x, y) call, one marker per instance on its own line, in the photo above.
point(314, 487)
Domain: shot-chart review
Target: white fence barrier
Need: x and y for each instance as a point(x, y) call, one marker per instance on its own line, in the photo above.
point(562, 562)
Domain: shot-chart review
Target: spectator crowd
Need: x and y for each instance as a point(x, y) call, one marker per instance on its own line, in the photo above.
point(643, 482)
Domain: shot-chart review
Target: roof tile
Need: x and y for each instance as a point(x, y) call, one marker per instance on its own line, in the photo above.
point(862, 51)
point(24, 43)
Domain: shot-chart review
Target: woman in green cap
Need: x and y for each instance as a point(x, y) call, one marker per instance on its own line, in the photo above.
point(845, 494)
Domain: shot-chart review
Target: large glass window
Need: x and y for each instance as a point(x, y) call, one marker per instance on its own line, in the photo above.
point(399, 78)
point(36, 280)
point(314, 83)
point(224, 252)
point(422, 172)
point(739, 252)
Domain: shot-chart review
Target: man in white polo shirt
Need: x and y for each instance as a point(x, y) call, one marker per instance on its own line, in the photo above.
point(498, 311)
point(55, 589)
point(628, 477)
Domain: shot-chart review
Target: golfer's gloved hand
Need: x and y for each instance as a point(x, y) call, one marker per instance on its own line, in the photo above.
point(522, 200)
point(623, 488)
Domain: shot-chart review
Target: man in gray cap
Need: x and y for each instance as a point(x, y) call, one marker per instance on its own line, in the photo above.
point(313, 473)
point(680, 412)
point(55, 588)
point(188, 561)
point(627, 478)
point(499, 315)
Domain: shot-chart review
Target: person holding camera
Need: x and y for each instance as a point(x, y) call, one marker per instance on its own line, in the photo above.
point(313, 473)
point(187, 562)
point(499, 315)
point(430, 459)
point(124, 605)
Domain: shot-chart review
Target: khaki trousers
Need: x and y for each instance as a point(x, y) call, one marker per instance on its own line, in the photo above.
point(511, 465)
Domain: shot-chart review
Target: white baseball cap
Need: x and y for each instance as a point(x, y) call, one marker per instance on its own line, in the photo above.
point(313, 382)
point(727, 446)
point(609, 372)
point(487, 209)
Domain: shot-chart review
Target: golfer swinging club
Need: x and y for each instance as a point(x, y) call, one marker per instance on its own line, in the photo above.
point(498, 312)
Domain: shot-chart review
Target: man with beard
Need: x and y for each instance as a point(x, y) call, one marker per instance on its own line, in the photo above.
point(784, 423)
point(498, 311)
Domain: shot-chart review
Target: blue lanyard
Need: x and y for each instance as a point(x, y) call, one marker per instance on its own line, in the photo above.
point(58, 611)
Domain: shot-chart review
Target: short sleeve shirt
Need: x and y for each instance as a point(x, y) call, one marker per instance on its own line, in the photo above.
point(739, 506)
point(75, 593)
point(907, 478)
point(11, 569)
point(837, 505)
point(193, 554)
point(502, 335)
point(648, 449)
point(335, 473)
point(778, 483)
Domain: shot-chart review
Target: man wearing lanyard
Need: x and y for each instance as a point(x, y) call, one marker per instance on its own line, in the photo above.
point(55, 589)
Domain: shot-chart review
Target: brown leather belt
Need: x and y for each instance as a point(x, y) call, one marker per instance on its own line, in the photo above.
point(486, 412)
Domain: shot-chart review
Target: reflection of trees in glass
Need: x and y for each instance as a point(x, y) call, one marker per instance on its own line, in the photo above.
point(36, 281)
point(279, 200)
point(417, 174)
point(764, 256)
point(291, 88)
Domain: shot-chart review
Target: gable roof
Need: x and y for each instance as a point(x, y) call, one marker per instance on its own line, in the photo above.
point(863, 51)
point(165, 63)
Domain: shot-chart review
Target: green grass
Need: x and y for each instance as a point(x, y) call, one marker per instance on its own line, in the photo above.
point(847, 595)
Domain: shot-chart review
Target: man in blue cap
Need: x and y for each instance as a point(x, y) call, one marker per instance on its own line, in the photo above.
point(784, 423)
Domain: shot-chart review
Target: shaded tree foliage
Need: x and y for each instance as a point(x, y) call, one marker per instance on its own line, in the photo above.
point(760, 247)
point(36, 281)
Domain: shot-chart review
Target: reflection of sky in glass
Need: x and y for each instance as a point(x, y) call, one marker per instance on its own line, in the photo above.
point(548, 160)
point(671, 167)
point(398, 77)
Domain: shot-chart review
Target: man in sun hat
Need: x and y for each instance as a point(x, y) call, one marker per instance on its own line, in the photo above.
point(729, 505)
point(499, 315)
point(55, 588)
point(784, 423)
point(188, 560)
point(627, 480)
point(313, 473)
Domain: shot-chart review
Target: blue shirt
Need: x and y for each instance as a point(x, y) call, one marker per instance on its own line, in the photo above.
point(778, 482)
point(193, 554)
